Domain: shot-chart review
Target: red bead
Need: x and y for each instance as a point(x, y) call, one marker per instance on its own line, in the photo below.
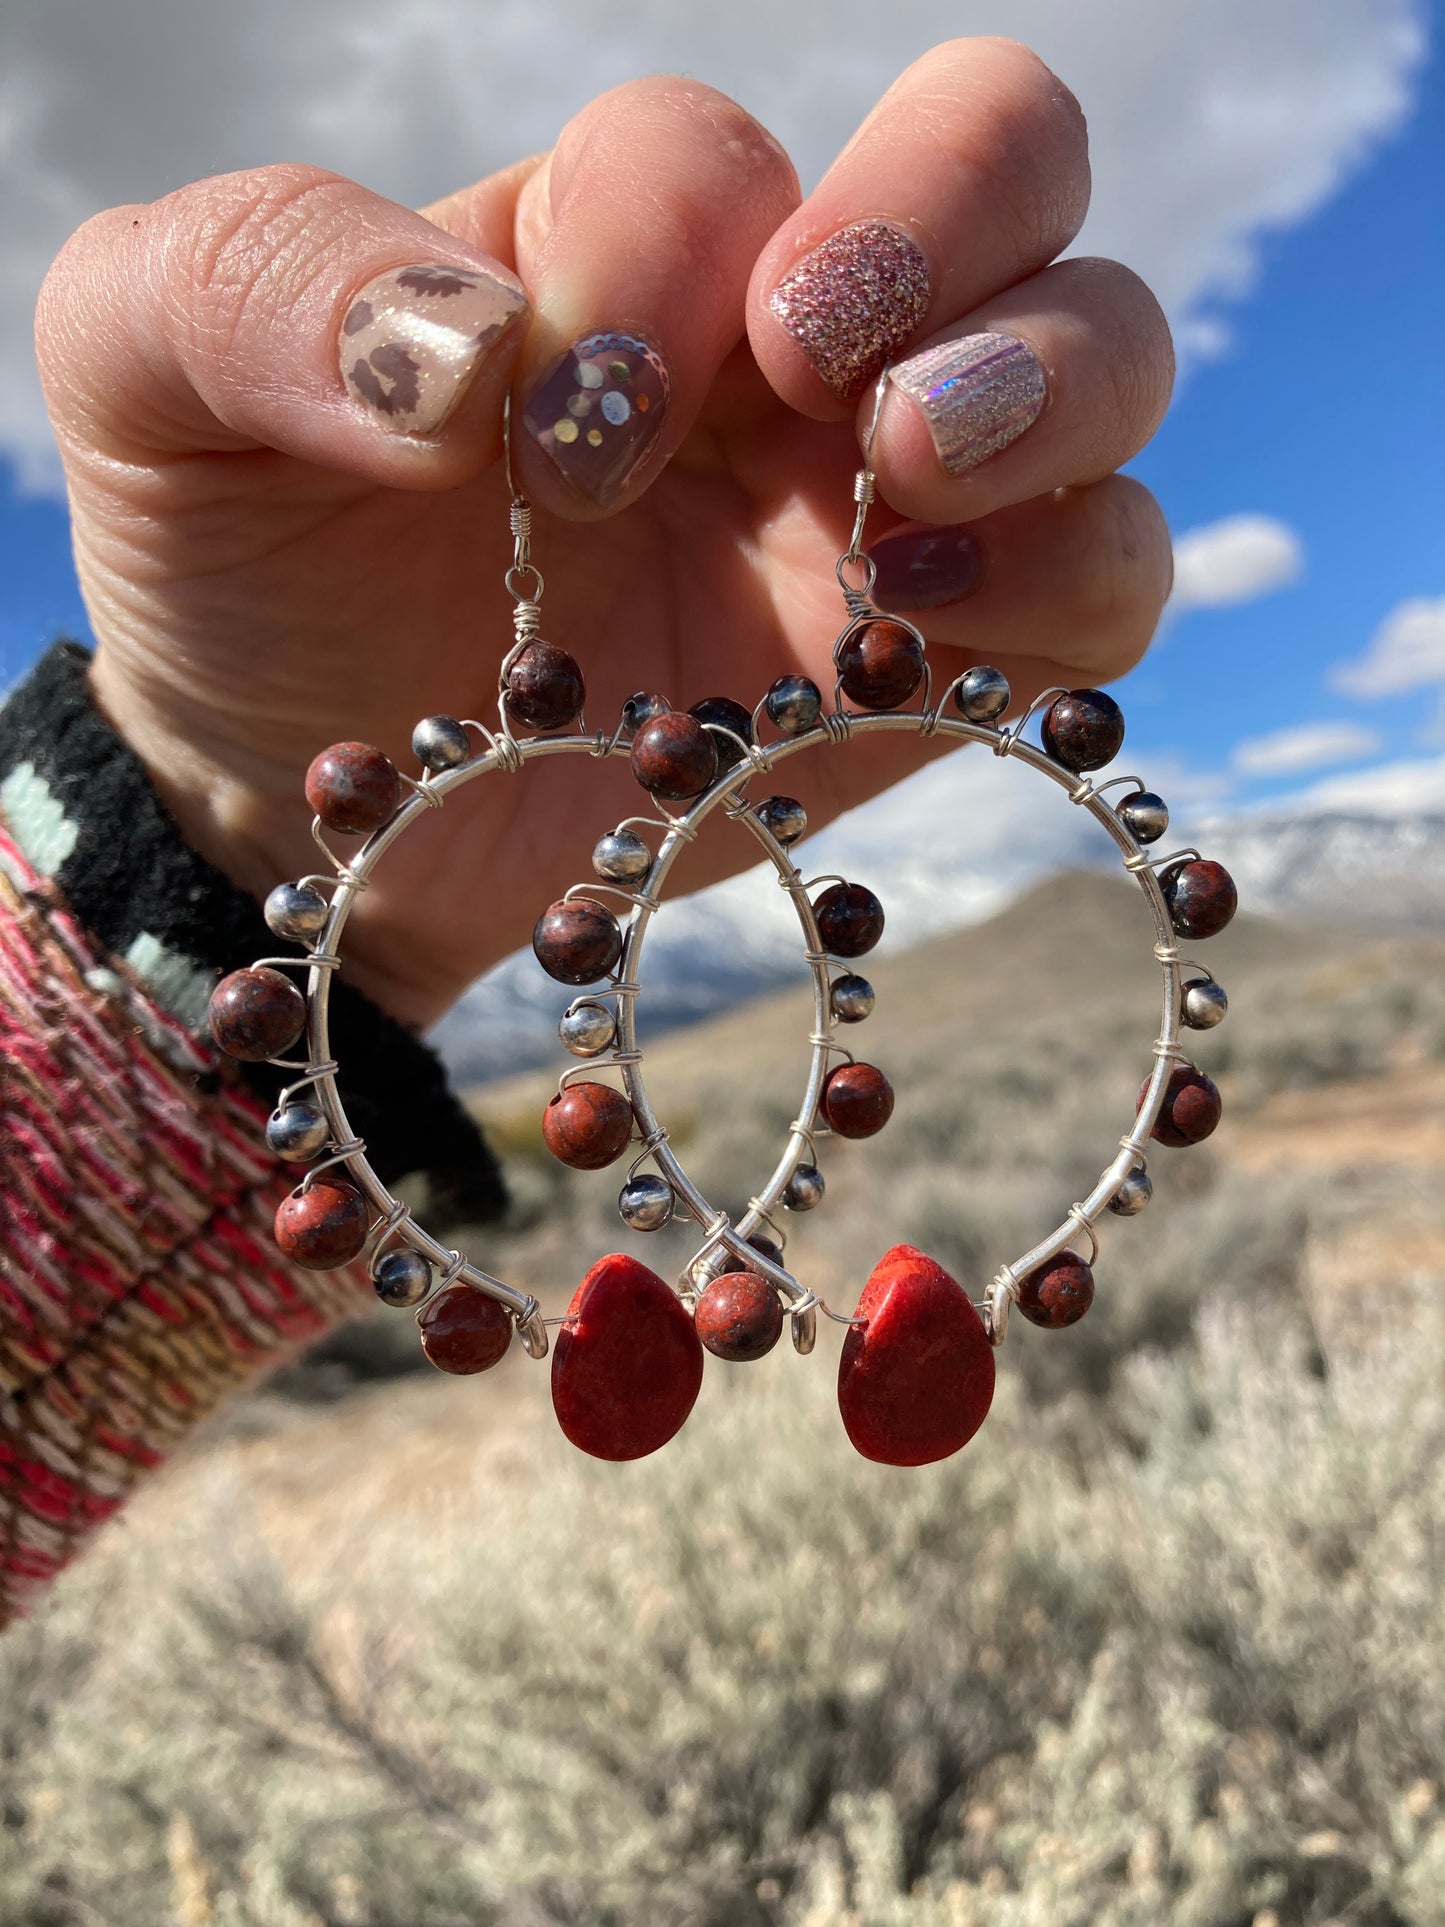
point(256, 1014)
point(739, 1317)
point(577, 940)
point(1201, 897)
point(463, 1330)
point(916, 1381)
point(850, 919)
point(1083, 730)
point(353, 788)
point(587, 1126)
point(1058, 1293)
point(880, 664)
point(545, 687)
point(1192, 1107)
point(627, 1364)
point(323, 1227)
point(674, 757)
point(732, 717)
point(857, 1100)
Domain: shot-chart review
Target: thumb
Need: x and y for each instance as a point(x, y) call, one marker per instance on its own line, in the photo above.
point(284, 308)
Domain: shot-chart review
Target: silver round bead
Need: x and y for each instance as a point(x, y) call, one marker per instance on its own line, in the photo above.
point(588, 1030)
point(440, 742)
point(295, 911)
point(804, 1189)
point(639, 709)
point(297, 1133)
point(621, 857)
point(1145, 816)
point(794, 704)
point(852, 999)
point(785, 817)
point(1132, 1196)
point(401, 1278)
point(1205, 1003)
point(646, 1202)
point(982, 695)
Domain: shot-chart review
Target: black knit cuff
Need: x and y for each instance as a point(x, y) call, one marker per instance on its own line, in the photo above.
point(82, 808)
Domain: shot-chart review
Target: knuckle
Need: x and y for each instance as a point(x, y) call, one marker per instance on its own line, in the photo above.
point(264, 227)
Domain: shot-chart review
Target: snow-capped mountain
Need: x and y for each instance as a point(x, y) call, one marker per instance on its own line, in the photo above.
point(952, 846)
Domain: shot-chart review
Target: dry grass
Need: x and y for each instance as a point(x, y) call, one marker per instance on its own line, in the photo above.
point(1162, 1646)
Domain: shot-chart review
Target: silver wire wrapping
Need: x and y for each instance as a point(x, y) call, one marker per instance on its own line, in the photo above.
point(505, 752)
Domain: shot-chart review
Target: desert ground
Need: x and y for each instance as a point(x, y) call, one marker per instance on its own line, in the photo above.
point(1160, 1648)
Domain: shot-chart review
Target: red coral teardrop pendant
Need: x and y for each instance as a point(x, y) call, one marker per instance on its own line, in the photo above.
point(627, 1365)
point(914, 1383)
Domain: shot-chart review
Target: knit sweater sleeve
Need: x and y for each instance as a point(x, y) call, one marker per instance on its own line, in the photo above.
point(139, 1281)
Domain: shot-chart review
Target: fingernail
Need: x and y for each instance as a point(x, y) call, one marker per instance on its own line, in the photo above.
point(926, 568)
point(977, 395)
point(853, 301)
point(414, 337)
point(598, 410)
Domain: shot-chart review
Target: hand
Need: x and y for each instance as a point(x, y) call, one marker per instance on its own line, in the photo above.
point(290, 517)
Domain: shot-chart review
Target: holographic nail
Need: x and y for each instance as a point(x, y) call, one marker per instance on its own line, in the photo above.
point(413, 338)
point(854, 301)
point(598, 411)
point(977, 395)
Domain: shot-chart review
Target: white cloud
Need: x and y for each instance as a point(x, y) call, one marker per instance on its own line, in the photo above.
point(1407, 651)
point(1407, 789)
point(1288, 752)
point(1211, 125)
point(1234, 560)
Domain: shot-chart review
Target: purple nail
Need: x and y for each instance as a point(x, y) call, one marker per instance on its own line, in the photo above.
point(976, 394)
point(926, 568)
point(598, 411)
point(853, 301)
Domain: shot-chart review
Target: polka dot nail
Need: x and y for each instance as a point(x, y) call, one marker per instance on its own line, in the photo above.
point(598, 411)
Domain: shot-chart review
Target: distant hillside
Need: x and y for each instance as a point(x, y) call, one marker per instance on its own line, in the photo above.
point(739, 940)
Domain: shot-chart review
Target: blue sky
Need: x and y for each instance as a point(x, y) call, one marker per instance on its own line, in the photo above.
point(1328, 413)
point(1322, 413)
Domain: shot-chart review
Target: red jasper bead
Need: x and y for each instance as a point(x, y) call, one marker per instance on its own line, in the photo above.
point(1058, 1293)
point(739, 1317)
point(256, 1014)
point(545, 687)
point(674, 757)
point(1201, 897)
point(850, 919)
point(1191, 1109)
point(627, 1364)
point(1083, 730)
point(732, 717)
point(588, 1126)
point(767, 1247)
point(857, 1100)
point(323, 1227)
point(880, 664)
point(463, 1330)
point(353, 788)
point(577, 940)
point(916, 1378)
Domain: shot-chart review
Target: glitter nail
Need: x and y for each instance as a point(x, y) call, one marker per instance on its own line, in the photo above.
point(854, 301)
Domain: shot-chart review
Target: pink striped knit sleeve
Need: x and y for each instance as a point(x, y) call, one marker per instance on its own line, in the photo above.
point(139, 1283)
